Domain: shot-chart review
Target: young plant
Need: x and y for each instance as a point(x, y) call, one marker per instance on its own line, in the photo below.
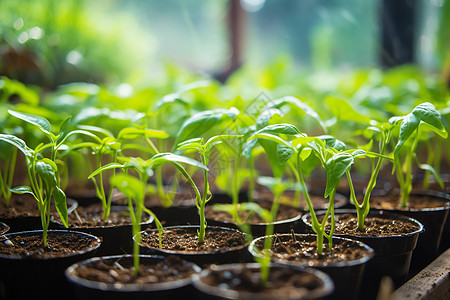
point(42, 174)
point(423, 117)
point(135, 189)
point(204, 149)
point(8, 158)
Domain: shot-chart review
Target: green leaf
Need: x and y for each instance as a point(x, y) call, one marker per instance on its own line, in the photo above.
point(270, 148)
point(282, 128)
point(265, 116)
point(409, 124)
point(18, 143)
point(132, 133)
point(432, 170)
point(61, 205)
point(426, 112)
point(248, 147)
point(336, 166)
point(219, 138)
point(96, 129)
point(22, 190)
point(162, 158)
point(284, 153)
point(47, 173)
point(343, 111)
point(63, 130)
point(300, 105)
point(42, 123)
point(130, 186)
point(113, 165)
point(271, 137)
point(332, 142)
point(203, 121)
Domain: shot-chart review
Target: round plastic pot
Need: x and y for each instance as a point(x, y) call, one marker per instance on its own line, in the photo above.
point(259, 229)
point(222, 292)
point(30, 223)
point(347, 275)
point(116, 239)
point(88, 289)
point(3, 228)
point(392, 253)
point(433, 220)
point(176, 215)
point(202, 258)
point(39, 277)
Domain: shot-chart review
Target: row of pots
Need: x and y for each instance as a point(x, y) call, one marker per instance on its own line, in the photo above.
point(401, 253)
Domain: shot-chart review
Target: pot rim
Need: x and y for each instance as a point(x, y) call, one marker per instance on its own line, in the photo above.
point(132, 287)
point(382, 213)
point(326, 289)
point(97, 242)
point(371, 253)
point(195, 253)
point(444, 197)
point(113, 207)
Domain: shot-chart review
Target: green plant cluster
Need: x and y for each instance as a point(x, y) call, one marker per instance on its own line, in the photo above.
point(216, 137)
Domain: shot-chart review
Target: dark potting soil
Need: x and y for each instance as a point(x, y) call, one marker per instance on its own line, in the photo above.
point(91, 216)
point(3, 227)
point(285, 212)
point(119, 271)
point(282, 282)
point(373, 226)
point(294, 249)
point(58, 245)
point(20, 206)
point(186, 240)
point(392, 201)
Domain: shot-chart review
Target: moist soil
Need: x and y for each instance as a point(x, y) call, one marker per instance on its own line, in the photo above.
point(186, 240)
point(392, 202)
point(285, 212)
point(120, 271)
point(58, 245)
point(301, 251)
point(282, 282)
point(3, 228)
point(91, 216)
point(346, 224)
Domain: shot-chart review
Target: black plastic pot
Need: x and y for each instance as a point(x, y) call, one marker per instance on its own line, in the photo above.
point(39, 277)
point(33, 222)
point(88, 289)
point(233, 255)
point(116, 239)
point(433, 220)
point(222, 292)
point(259, 229)
point(3, 228)
point(392, 253)
point(177, 215)
point(347, 276)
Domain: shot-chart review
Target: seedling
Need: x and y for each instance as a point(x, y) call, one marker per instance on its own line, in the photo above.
point(423, 117)
point(8, 154)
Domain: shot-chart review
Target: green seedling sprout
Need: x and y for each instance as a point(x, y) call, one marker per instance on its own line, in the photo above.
point(423, 116)
point(204, 149)
point(135, 189)
point(8, 155)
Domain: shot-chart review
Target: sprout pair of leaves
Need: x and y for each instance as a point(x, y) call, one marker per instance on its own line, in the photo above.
point(204, 149)
point(425, 117)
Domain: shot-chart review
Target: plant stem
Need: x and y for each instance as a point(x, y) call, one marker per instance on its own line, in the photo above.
point(202, 231)
point(251, 188)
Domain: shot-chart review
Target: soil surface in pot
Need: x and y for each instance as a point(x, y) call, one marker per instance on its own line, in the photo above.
point(91, 216)
point(373, 226)
point(3, 227)
point(58, 245)
point(186, 240)
point(110, 271)
point(282, 282)
point(285, 212)
point(292, 248)
point(392, 201)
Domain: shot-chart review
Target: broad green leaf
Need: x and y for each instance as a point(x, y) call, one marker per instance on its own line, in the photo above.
point(96, 129)
point(61, 205)
point(18, 143)
point(407, 127)
point(304, 140)
point(265, 116)
point(162, 158)
point(271, 137)
point(46, 173)
point(332, 142)
point(299, 104)
point(132, 133)
point(343, 111)
point(82, 132)
point(284, 153)
point(191, 141)
point(426, 112)
point(42, 123)
point(130, 186)
point(203, 121)
point(64, 130)
point(248, 147)
point(336, 166)
point(395, 120)
point(288, 129)
point(276, 185)
point(270, 148)
point(358, 153)
point(219, 138)
point(22, 190)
